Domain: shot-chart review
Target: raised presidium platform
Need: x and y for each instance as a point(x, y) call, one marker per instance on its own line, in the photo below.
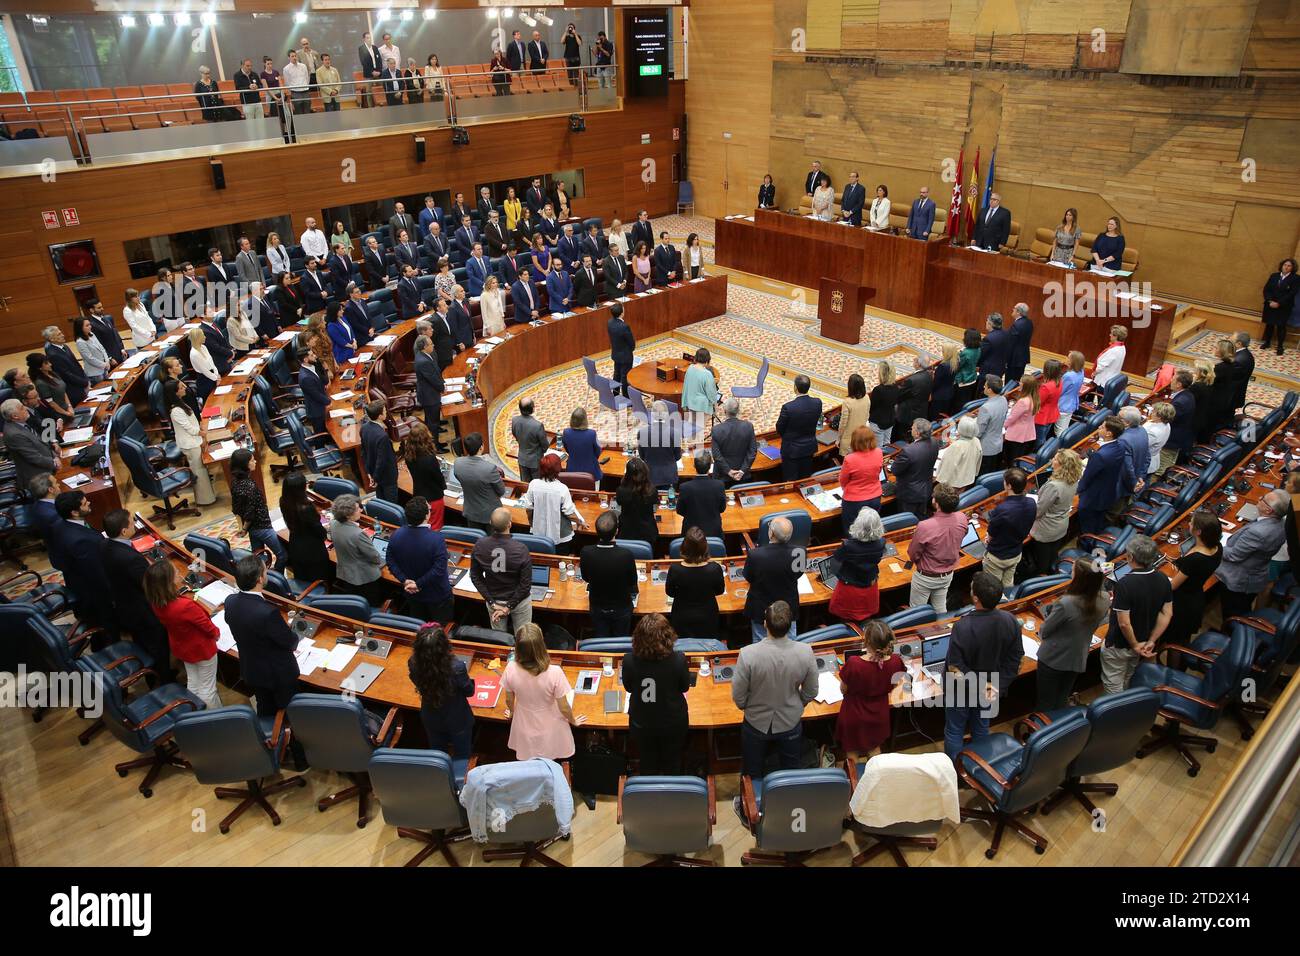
point(957, 286)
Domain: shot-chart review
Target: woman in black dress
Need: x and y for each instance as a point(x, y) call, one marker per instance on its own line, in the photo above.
point(422, 461)
point(1203, 420)
point(636, 500)
point(1193, 570)
point(309, 560)
point(1279, 299)
point(1222, 391)
point(694, 586)
point(884, 401)
point(444, 685)
point(658, 720)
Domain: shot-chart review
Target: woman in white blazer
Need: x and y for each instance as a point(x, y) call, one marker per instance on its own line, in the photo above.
point(201, 362)
point(492, 306)
point(277, 256)
point(878, 217)
point(617, 240)
point(243, 336)
point(137, 317)
point(189, 438)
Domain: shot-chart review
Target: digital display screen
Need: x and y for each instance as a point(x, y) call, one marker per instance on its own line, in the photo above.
point(648, 41)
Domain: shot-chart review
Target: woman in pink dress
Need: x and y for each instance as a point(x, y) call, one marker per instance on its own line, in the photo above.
point(1020, 434)
point(541, 719)
point(641, 268)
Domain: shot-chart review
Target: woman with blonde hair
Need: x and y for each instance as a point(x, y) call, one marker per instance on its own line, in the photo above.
point(1055, 501)
point(137, 317)
point(884, 403)
point(201, 362)
point(1157, 429)
point(1202, 389)
point(1019, 431)
point(617, 239)
point(492, 306)
point(960, 462)
point(1223, 394)
point(541, 720)
point(277, 256)
point(1071, 382)
point(944, 386)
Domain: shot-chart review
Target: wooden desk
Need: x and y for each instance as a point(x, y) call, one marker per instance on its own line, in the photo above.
point(645, 379)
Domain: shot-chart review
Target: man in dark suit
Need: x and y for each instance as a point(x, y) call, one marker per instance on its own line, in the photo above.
point(538, 53)
point(992, 225)
point(854, 198)
point(477, 270)
point(1182, 430)
point(664, 262)
point(1243, 367)
point(406, 252)
point(772, 572)
point(458, 210)
point(810, 181)
point(494, 234)
point(409, 303)
point(569, 251)
point(702, 500)
point(590, 244)
point(516, 53)
point(218, 273)
point(354, 313)
point(734, 445)
point(913, 468)
point(377, 453)
point(45, 516)
point(642, 231)
point(465, 238)
point(81, 547)
point(534, 198)
point(391, 80)
point(1021, 334)
point(436, 244)
point(30, 455)
point(101, 324)
point(462, 326)
point(428, 384)
point(485, 206)
point(311, 380)
point(124, 567)
point(610, 572)
point(444, 340)
point(920, 218)
point(622, 343)
point(914, 393)
point(315, 292)
point(376, 268)
point(995, 350)
point(797, 426)
point(340, 270)
point(508, 267)
point(372, 65)
point(262, 312)
point(218, 346)
point(398, 222)
point(524, 297)
point(1109, 468)
point(65, 364)
point(659, 445)
point(616, 278)
point(584, 283)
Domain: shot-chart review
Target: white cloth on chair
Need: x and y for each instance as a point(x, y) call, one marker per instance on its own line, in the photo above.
point(906, 788)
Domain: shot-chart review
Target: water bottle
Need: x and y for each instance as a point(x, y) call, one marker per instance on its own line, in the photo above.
point(672, 497)
point(704, 667)
point(378, 527)
point(559, 442)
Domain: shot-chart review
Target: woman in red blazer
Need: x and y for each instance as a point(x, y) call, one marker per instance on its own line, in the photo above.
point(190, 631)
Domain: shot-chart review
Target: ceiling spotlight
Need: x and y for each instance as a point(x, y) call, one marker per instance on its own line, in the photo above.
point(429, 13)
point(384, 14)
point(127, 21)
point(489, 13)
point(408, 15)
point(181, 19)
point(300, 17)
point(523, 15)
point(508, 12)
point(155, 19)
point(545, 19)
point(207, 18)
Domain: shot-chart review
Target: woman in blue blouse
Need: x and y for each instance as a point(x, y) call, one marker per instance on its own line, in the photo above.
point(342, 338)
point(582, 445)
point(541, 256)
point(444, 686)
point(559, 290)
point(1108, 248)
point(1071, 382)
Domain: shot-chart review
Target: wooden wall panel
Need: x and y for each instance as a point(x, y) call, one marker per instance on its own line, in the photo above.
point(135, 201)
point(1188, 37)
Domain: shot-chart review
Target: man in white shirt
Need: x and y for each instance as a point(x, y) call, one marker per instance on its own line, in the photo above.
point(313, 241)
point(387, 51)
point(297, 79)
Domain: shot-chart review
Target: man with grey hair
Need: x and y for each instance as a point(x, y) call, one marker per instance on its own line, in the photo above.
point(65, 364)
point(734, 445)
point(1141, 609)
point(1246, 556)
point(913, 469)
point(914, 391)
point(1021, 333)
point(532, 438)
point(989, 421)
point(30, 455)
point(995, 350)
point(1137, 448)
point(773, 571)
point(703, 499)
point(1243, 367)
point(992, 225)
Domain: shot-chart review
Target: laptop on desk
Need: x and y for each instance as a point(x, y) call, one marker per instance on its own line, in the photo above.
point(541, 583)
point(934, 652)
point(972, 545)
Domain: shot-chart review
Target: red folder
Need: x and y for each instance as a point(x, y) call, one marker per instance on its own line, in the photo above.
point(211, 411)
point(487, 691)
point(144, 542)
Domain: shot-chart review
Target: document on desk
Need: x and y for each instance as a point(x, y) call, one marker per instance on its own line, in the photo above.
point(1030, 646)
point(805, 585)
point(464, 585)
point(382, 340)
point(224, 450)
point(453, 398)
point(223, 390)
point(285, 336)
point(225, 639)
point(310, 656)
point(215, 593)
point(342, 396)
point(452, 382)
point(828, 688)
point(340, 412)
point(73, 435)
point(339, 657)
point(77, 480)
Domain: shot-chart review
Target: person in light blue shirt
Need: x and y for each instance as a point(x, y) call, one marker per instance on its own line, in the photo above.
point(1071, 382)
point(699, 387)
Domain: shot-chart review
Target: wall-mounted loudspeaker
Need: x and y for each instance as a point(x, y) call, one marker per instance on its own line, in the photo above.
point(419, 149)
point(218, 174)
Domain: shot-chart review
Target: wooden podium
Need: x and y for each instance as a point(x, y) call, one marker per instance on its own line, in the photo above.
point(839, 307)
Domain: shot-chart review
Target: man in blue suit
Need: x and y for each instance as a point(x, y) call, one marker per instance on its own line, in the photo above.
point(462, 326)
point(315, 400)
point(622, 343)
point(524, 296)
point(851, 203)
point(263, 314)
point(377, 453)
point(409, 303)
point(591, 243)
point(428, 384)
point(920, 218)
point(81, 547)
point(340, 270)
point(508, 267)
point(354, 313)
point(559, 291)
point(1138, 450)
point(315, 290)
point(1182, 430)
point(477, 269)
point(1110, 468)
point(430, 214)
point(1021, 334)
point(569, 251)
point(464, 238)
point(101, 324)
point(995, 350)
point(664, 262)
point(417, 558)
point(406, 252)
point(218, 346)
point(797, 426)
point(65, 364)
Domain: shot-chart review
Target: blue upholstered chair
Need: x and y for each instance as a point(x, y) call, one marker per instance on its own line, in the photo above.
point(50, 600)
point(831, 632)
point(910, 617)
point(717, 547)
point(698, 645)
point(339, 734)
point(318, 451)
point(352, 606)
point(231, 745)
point(386, 511)
point(606, 645)
point(641, 550)
point(1013, 778)
point(898, 521)
point(145, 724)
point(817, 799)
point(464, 535)
point(755, 390)
point(537, 543)
point(329, 487)
point(667, 817)
point(529, 833)
point(164, 485)
point(398, 622)
point(216, 552)
point(1034, 585)
point(801, 521)
point(419, 791)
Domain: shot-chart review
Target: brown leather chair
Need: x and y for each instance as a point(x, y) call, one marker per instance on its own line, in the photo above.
point(577, 480)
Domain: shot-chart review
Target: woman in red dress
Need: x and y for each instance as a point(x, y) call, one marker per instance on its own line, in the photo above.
point(863, 725)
